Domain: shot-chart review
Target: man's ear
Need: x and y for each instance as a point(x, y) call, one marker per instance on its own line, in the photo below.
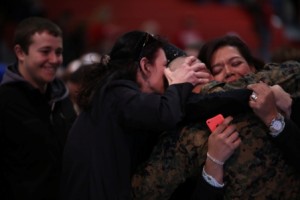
point(19, 52)
point(145, 67)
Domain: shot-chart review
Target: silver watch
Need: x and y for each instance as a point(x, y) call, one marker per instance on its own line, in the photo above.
point(277, 125)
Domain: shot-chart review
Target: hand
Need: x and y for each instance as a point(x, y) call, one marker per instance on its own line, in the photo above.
point(221, 145)
point(223, 141)
point(191, 71)
point(283, 100)
point(265, 104)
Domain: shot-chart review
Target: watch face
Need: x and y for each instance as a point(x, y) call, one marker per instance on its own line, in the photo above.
point(277, 125)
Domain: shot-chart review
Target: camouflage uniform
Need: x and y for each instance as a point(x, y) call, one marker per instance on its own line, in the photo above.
point(256, 170)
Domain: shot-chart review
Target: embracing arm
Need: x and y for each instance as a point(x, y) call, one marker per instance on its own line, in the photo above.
point(181, 155)
point(289, 142)
point(204, 190)
point(265, 106)
point(221, 145)
point(153, 112)
point(295, 110)
point(203, 106)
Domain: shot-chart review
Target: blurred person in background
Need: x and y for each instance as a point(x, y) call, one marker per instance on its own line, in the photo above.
point(285, 53)
point(74, 74)
point(261, 12)
point(188, 37)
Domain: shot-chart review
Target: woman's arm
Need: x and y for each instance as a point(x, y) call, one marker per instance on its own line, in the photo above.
point(287, 138)
point(289, 142)
point(221, 145)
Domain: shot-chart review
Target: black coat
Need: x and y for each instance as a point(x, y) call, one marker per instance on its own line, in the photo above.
point(33, 130)
point(106, 144)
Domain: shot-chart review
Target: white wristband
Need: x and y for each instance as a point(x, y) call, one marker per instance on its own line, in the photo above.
point(214, 160)
point(211, 180)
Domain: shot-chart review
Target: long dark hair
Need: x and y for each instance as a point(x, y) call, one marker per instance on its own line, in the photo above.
point(123, 63)
point(209, 48)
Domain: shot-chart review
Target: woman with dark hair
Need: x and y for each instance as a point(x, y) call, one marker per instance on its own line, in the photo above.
point(242, 62)
point(229, 59)
point(125, 105)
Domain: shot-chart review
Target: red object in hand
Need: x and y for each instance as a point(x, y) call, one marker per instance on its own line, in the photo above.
point(214, 122)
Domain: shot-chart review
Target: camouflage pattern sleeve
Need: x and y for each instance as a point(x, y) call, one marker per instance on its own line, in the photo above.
point(175, 157)
point(287, 75)
point(256, 170)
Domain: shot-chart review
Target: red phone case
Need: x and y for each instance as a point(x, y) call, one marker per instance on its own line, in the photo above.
point(213, 122)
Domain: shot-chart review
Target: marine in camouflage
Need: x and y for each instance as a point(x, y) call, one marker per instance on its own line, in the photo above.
point(256, 170)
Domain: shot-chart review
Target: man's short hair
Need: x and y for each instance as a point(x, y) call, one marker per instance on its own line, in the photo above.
point(29, 26)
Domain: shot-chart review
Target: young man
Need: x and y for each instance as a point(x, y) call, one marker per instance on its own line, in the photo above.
point(35, 114)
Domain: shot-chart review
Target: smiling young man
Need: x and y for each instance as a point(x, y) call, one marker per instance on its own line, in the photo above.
point(35, 114)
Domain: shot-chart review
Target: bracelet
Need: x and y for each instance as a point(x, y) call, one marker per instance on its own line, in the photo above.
point(214, 160)
point(211, 180)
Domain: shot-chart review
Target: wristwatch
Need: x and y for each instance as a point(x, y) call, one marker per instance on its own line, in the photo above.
point(277, 125)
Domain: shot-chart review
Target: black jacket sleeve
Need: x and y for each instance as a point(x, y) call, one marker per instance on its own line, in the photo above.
point(200, 107)
point(204, 191)
point(295, 110)
point(289, 143)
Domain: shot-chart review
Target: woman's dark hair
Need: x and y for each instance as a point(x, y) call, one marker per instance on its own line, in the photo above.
point(209, 48)
point(123, 64)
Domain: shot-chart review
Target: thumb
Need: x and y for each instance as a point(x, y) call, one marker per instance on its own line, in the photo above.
point(250, 86)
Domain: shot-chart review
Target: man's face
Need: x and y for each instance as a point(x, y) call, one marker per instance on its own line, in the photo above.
point(228, 64)
point(44, 56)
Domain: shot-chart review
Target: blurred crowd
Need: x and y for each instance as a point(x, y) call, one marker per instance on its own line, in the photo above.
point(91, 111)
point(99, 35)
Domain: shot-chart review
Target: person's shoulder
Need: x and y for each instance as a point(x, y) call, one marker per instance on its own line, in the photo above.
point(67, 108)
point(123, 82)
point(120, 85)
point(281, 71)
point(10, 93)
point(8, 89)
point(289, 64)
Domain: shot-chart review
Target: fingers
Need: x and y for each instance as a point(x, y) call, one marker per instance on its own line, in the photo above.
point(283, 100)
point(196, 71)
point(227, 132)
point(199, 66)
point(261, 93)
point(195, 64)
point(264, 106)
point(190, 70)
point(223, 125)
point(168, 75)
point(233, 137)
point(203, 77)
point(202, 74)
point(259, 88)
point(190, 60)
point(236, 143)
point(276, 88)
point(224, 140)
